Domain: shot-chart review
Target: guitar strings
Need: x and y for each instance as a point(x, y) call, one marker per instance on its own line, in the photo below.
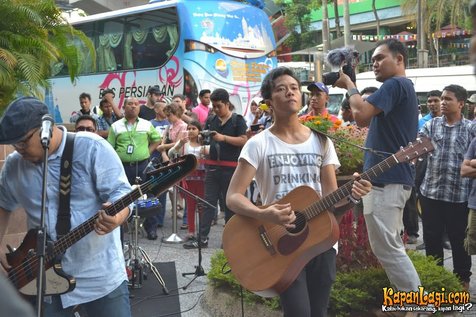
point(330, 200)
point(27, 267)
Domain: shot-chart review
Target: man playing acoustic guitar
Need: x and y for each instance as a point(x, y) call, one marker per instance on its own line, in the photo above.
point(283, 157)
point(96, 261)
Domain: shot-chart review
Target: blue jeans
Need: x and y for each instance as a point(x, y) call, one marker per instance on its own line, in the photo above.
point(114, 304)
point(151, 223)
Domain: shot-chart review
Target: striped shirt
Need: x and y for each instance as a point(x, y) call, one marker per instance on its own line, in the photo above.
point(442, 179)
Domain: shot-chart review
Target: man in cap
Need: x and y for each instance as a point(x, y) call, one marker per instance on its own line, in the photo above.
point(147, 111)
point(318, 100)
point(471, 102)
point(96, 261)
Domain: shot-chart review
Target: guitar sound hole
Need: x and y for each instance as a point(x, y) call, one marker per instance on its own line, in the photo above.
point(300, 223)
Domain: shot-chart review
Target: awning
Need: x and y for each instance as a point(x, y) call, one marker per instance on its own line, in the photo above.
point(360, 46)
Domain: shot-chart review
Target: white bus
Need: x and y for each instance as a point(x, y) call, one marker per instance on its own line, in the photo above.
point(183, 46)
point(424, 79)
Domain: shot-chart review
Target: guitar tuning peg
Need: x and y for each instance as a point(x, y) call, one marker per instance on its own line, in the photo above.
point(420, 159)
point(410, 143)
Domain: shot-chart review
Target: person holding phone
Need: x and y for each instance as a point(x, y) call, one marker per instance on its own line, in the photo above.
point(190, 143)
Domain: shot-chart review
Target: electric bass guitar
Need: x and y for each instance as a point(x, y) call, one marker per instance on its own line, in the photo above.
point(24, 261)
point(266, 258)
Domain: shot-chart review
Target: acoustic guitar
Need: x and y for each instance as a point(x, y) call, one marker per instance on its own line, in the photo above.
point(266, 258)
point(24, 262)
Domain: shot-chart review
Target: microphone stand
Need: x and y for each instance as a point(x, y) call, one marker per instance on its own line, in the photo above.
point(199, 271)
point(41, 234)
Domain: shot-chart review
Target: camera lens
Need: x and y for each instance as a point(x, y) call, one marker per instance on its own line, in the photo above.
point(330, 78)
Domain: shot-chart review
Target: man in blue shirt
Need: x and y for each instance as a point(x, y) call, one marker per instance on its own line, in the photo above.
point(433, 102)
point(96, 261)
point(392, 116)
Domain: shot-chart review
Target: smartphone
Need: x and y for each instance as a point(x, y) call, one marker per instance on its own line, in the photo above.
point(255, 127)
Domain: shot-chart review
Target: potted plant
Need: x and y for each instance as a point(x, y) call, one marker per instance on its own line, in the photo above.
point(348, 140)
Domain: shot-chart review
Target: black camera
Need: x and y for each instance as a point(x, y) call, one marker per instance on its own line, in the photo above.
point(345, 57)
point(206, 134)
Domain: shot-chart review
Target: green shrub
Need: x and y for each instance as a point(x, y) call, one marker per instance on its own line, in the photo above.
point(354, 292)
point(219, 276)
point(361, 290)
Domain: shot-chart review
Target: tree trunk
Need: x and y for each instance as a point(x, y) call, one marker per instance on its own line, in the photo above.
point(336, 19)
point(374, 10)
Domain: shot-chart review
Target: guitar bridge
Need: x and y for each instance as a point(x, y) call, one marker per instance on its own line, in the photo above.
point(266, 241)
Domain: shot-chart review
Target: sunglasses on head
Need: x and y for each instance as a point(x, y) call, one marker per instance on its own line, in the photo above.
point(88, 129)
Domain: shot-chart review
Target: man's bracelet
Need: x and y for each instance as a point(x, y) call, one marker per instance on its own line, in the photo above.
point(353, 200)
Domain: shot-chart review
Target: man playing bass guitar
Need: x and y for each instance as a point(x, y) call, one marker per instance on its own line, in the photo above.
point(96, 261)
point(283, 157)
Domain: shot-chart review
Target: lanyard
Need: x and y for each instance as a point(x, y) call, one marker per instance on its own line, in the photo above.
point(126, 123)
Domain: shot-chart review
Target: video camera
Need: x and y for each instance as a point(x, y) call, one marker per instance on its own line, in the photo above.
point(345, 57)
point(206, 134)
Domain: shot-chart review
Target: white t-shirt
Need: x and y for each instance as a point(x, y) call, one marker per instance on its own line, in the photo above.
point(281, 167)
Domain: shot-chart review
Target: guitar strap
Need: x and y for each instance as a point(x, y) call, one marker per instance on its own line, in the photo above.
point(63, 225)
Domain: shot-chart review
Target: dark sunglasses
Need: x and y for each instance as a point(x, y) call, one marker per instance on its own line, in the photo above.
point(85, 129)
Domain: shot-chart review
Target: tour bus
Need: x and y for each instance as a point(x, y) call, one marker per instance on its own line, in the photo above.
point(424, 80)
point(183, 46)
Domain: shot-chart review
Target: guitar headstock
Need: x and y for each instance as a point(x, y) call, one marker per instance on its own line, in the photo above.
point(164, 177)
point(415, 149)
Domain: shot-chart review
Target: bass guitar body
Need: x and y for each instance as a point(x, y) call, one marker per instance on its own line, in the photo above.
point(266, 258)
point(24, 278)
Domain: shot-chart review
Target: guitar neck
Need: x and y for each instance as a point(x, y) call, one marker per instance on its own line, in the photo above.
point(330, 200)
point(160, 180)
point(86, 227)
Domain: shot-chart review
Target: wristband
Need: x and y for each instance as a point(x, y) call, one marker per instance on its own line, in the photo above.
point(353, 200)
point(353, 91)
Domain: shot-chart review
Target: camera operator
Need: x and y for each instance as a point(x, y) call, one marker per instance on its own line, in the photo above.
point(227, 137)
point(392, 113)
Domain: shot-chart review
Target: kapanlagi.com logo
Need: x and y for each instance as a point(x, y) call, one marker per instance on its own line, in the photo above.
point(423, 301)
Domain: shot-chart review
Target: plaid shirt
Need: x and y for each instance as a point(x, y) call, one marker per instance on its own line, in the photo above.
point(104, 124)
point(442, 178)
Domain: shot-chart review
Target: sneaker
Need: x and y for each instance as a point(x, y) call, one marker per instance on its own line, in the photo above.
point(465, 285)
point(193, 244)
point(152, 235)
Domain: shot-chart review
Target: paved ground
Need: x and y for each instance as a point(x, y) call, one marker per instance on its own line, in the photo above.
point(186, 260)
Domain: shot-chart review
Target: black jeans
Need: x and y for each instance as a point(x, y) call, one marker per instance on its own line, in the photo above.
point(217, 180)
point(308, 295)
point(437, 216)
point(410, 215)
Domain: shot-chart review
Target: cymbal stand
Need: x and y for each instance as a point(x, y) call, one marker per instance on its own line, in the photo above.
point(138, 258)
point(199, 271)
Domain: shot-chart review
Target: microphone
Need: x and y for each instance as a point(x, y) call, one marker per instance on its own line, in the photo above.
point(47, 123)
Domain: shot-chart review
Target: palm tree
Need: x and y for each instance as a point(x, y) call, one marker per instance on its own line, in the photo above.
point(374, 10)
point(437, 12)
point(33, 36)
